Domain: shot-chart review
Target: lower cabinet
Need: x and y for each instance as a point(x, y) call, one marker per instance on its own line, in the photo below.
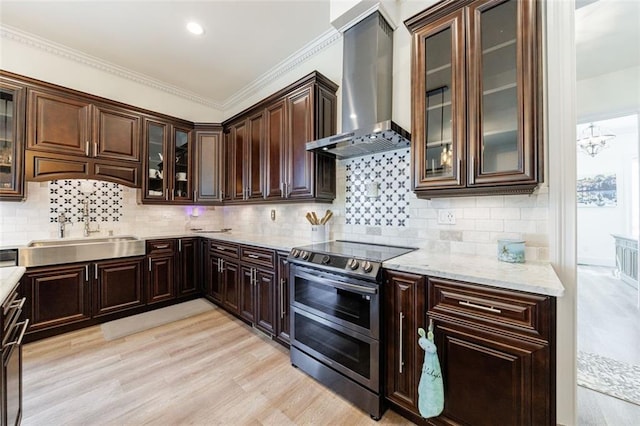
point(67, 297)
point(189, 269)
point(161, 273)
point(118, 286)
point(404, 296)
point(282, 321)
point(257, 287)
point(222, 271)
point(495, 346)
point(57, 296)
point(507, 333)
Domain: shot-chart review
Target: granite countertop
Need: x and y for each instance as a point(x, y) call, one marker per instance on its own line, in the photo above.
point(533, 277)
point(9, 278)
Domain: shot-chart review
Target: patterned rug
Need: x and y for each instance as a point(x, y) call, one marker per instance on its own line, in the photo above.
point(608, 376)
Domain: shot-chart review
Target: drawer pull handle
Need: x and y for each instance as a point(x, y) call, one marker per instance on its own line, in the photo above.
point(164, 246)
point(484, 308)
point(400, 351)
point(221, 248)
point(17, 304)
point(18, 341)
point(253, 256)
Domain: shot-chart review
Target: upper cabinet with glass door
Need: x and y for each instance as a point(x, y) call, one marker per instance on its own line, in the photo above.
point(476, 115)
point(168, 158)
point(12, 111)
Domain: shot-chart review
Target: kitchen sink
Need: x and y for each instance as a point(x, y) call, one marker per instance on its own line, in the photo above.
point(55, 252)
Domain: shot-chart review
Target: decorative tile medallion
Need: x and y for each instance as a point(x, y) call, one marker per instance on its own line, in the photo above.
point(388, 172)
point(105, 200)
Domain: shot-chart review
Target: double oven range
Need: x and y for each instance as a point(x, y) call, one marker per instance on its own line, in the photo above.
point(335, 291)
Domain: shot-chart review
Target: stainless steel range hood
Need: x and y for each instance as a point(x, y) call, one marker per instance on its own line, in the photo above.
point(366, 94)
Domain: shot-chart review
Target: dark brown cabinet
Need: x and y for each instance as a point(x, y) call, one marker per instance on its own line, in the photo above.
point(11, 337)
point(168, 169)
point(209, 168)
point(70, 136)
point(476, 105)
point(57, 296)
point(12, 112)
point(510, 334)
point(266, 145)
point(161, 274)
point(257, 288)
point(310, 116)
point(247, 174)
point(67, 297)
point(118, 285)
point(189, 270)
point(283, 323)
point(477, 329)
point(223, 275)
point(405, 313)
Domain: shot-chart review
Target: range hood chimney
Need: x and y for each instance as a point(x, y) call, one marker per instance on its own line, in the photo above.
point(366, 94)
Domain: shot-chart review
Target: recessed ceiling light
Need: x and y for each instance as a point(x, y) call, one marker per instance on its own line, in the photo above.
point(195, 28)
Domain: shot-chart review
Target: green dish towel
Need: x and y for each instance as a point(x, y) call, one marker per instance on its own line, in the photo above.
point(431, 388)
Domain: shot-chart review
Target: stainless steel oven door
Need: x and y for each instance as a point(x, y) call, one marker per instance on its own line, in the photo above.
point(346, 301)
point(349, 352)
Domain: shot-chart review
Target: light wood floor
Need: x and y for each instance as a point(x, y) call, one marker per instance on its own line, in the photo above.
point(608, 325)
point(207, 369)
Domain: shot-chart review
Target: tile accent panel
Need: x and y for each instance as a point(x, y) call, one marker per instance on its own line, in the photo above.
point(388, 173)
point(68, 195)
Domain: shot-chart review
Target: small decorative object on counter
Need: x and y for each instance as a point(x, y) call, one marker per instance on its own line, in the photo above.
point(318, 226)
point(511, 251)
point(318, 233)
point(431, 387)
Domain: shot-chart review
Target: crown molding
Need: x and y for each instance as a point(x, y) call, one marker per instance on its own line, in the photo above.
point(320, 43)
point(323, 41)
point(65, 52)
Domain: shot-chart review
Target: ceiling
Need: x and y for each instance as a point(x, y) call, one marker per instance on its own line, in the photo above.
point(607, 36)
point(245, 39)
point(242, 41)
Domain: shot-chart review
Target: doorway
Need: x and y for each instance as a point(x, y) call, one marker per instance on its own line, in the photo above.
point(608, 130)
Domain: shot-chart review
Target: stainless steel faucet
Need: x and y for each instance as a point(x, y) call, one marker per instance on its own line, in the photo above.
point(86, 218)
point(62, 222)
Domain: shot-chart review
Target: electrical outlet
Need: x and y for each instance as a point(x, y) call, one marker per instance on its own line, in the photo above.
point(446, 217)
point(273, 214)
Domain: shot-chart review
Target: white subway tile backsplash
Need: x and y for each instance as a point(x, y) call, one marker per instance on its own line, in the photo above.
point(490, 225)
point(505, 213)
point(523, 226)
point(477, 213)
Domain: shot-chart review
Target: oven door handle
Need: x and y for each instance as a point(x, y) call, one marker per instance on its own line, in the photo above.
point(337, 284)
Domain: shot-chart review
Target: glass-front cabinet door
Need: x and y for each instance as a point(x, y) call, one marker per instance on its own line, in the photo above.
point(476, 116)
point(156, 171)
point(11, 141)
point(439, 132)
point(501, 94)
point(182, 181)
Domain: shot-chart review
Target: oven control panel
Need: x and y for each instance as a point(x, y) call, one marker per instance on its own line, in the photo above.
point(350, 265)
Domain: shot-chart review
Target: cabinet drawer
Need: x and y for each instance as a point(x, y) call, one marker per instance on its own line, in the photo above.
point(224, 248)
point(161, 246)
point(258, 256)
point(517, 312)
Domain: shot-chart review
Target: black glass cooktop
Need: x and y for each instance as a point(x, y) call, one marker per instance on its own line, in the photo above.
point(358, 250)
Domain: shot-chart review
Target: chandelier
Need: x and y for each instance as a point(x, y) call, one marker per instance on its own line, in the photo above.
point(594, 139)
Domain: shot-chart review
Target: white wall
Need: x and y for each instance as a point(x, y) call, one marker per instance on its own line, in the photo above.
point(609, 95)
point(36, 62)
point(596, 224)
